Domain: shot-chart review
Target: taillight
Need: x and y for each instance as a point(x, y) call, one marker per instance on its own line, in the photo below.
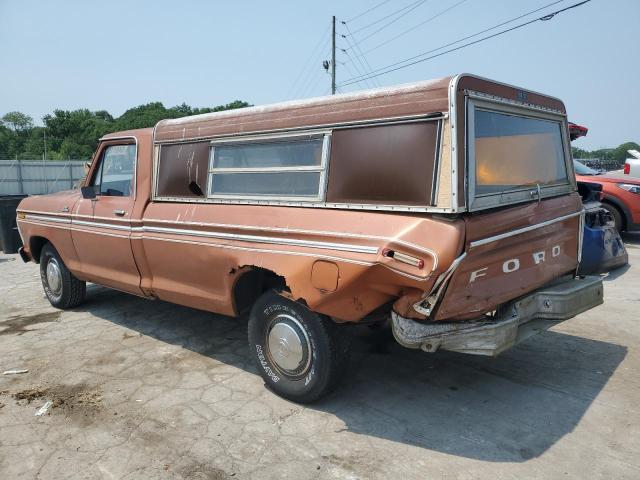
point(402, 257)
point(627, 168)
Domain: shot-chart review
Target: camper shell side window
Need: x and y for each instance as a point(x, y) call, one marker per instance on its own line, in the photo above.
point(271, 167)
point(386, 166)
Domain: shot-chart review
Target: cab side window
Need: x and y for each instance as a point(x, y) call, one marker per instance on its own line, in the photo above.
point(114, 176)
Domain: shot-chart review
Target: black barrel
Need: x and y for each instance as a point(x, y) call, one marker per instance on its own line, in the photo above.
point(9, 237)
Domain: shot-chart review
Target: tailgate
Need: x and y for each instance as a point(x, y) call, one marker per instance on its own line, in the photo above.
point(511, 252)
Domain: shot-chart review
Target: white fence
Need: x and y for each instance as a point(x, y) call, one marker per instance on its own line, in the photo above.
point(34, 177)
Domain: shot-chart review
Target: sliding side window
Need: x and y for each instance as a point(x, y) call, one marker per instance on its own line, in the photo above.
point(283, 168)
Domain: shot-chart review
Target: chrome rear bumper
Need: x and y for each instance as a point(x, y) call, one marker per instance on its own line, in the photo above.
point(516, 321)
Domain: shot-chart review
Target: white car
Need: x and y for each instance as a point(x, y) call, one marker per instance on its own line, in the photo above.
point(632, 165)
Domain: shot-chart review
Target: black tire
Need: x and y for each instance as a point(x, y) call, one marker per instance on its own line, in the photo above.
point(616, 214)
point(323, 348)
point(65, 292)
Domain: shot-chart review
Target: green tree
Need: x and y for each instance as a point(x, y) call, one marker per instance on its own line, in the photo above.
point(620, 154)
point(75, 133)
point(145, 116)
point(6, 140)
point(17, 121)
point(580, 153)
point(142, 116)
point(33, 146)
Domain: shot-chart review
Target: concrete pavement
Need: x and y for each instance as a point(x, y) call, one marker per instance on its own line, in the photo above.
point(143, 389)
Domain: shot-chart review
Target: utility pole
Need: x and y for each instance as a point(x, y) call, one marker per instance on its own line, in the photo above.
point(333, 57)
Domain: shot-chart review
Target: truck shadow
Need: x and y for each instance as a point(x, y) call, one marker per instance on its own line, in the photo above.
point(612, 275)
point(506, 409)
point(631, 239)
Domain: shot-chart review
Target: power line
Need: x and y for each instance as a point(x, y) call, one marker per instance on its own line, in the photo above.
point(468, 36)
point(367, 11)
point(418, 4)
point(382, 19)
point(355, 65)
point(346, 66)
point(361, 55)
point(310, 62)
point(433, 17)
point(311, 86)
point(403, 64)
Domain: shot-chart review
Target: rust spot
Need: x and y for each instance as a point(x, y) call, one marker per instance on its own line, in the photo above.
point(357, 304)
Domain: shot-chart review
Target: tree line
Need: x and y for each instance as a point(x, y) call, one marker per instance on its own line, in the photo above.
point(74, 134)
point(607, 156)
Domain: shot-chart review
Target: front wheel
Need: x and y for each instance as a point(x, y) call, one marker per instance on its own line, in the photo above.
point(62, 288)
point(299, 353)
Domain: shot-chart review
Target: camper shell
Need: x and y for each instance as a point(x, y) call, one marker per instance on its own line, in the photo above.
point(427, 121)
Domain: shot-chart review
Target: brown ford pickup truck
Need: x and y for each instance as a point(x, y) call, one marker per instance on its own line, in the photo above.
point(448, 206)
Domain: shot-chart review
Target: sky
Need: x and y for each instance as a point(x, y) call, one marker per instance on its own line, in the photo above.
point(113, 55)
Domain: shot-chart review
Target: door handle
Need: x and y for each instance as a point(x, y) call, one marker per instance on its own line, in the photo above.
point(120, 213)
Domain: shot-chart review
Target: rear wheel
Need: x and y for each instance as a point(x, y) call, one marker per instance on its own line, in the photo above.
point(616, 214)
point(299, 353)
point(62, 289)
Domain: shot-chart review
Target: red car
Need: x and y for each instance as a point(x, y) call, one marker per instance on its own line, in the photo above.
point(621, 196)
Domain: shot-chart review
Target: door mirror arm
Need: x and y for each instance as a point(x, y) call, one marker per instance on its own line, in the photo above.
point(88, 192)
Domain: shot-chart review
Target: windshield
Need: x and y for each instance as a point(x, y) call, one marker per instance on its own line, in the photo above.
point(582, 169)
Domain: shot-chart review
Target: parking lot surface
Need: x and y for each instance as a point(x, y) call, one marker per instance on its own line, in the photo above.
point(146, 389)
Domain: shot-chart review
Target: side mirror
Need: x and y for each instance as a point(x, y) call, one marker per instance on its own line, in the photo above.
point(88, 192)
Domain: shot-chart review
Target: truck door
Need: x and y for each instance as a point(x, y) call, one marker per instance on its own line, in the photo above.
point(102, 225)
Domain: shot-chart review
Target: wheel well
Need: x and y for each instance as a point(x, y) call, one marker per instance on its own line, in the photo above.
point(253, 283)
point(620, 209)
point(35, 247)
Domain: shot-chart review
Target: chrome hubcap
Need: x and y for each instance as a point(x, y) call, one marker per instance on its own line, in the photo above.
point(289, 346)
point(54, 277)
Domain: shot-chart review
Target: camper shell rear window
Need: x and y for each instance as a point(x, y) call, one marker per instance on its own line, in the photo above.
point(515, 154)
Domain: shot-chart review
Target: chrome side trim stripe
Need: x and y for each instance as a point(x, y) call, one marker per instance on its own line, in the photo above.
point(261, 239)
point(47, 219)
point(219, 235)
point(519, 231)
point(44, 224)
point(420, 248)
point(101, 225)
